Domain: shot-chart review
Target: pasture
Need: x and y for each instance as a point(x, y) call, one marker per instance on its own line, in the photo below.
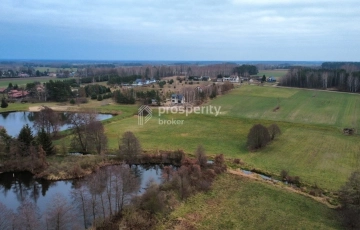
point(239, 203)
point(296, 105)
point(312, 145)
point(276, 73)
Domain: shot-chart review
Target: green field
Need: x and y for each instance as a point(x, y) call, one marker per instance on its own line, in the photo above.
point(239, 203)
point(314, 149)
point(276, 73)
point(50, 69)
point(296, 105)
point(23, 81)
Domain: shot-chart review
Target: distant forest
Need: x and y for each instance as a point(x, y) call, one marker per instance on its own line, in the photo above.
point(342, 76)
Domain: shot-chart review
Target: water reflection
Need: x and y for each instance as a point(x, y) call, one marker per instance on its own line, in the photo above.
point(20, 186)
point(14, 121)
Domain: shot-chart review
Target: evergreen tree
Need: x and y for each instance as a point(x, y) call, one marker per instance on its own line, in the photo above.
point(5, 140)
point(4, 104)
point(263, 79)
point(26, 138)
point(44, 139)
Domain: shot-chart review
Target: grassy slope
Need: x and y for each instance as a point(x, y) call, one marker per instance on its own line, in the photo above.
point(298, 106)
point(318, 153)
point(239, 203)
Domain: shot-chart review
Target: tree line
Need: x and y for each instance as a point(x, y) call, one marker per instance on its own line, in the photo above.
point(340, 79)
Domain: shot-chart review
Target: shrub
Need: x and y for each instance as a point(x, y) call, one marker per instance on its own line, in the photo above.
point(237, 161)
point(93, 96)
point(349, 196)
point(4, 104)
point(200, 156)
point(284, 174)
point(82, 100)
point(72, 101)
point(258, 137)
point(99, 98)
point(274, 131)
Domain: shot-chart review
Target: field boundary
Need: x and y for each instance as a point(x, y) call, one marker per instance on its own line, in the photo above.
point(256, 177)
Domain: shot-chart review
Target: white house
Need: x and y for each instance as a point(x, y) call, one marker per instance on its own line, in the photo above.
point(140, 82)
point(205, 78)
point(232, 78)
point(177, 99)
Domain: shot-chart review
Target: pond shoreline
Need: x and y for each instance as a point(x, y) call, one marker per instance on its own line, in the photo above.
point(58, 168)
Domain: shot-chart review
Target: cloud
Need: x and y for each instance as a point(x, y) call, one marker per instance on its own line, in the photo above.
point(200, 27)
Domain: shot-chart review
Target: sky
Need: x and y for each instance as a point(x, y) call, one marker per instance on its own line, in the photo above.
point(228, 30)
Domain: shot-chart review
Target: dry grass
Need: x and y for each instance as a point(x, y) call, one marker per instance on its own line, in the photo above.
point(241, 203)
point(69, 167)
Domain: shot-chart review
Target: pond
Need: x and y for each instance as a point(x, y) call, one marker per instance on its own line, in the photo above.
point(20, 186)
point(14, 121)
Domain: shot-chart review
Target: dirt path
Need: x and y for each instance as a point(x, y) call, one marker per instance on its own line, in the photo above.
point(254, 176)
point(55, 108)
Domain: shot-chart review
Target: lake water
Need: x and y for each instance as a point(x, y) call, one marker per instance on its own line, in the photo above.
point(20, 186)
point(14, 121)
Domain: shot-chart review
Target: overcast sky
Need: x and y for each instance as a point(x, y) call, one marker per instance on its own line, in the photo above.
point(307, 30)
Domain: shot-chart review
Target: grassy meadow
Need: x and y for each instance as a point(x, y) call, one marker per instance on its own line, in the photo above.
point(276, 73)
point(23, 81)
point(240, 203)
point(296, 105)
point(313, 148)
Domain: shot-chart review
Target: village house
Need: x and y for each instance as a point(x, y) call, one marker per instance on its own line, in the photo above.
point(271, 79)
point(23, 75)
point(219, 78)
point(3, 90)
point(198, 89)
point(17, 93)
point(141, 82)
point(232, 78)
point(205, 78)
point(177, 99)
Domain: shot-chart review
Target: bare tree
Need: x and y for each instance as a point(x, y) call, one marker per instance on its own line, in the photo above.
point(80, 129)
point(200, 156)
point(5, 217)
point(96, 136)
point(126, 184)
point(59, 214)
point(48, 120)
point(28, 217)
point(129, 146)
point(80, 198)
